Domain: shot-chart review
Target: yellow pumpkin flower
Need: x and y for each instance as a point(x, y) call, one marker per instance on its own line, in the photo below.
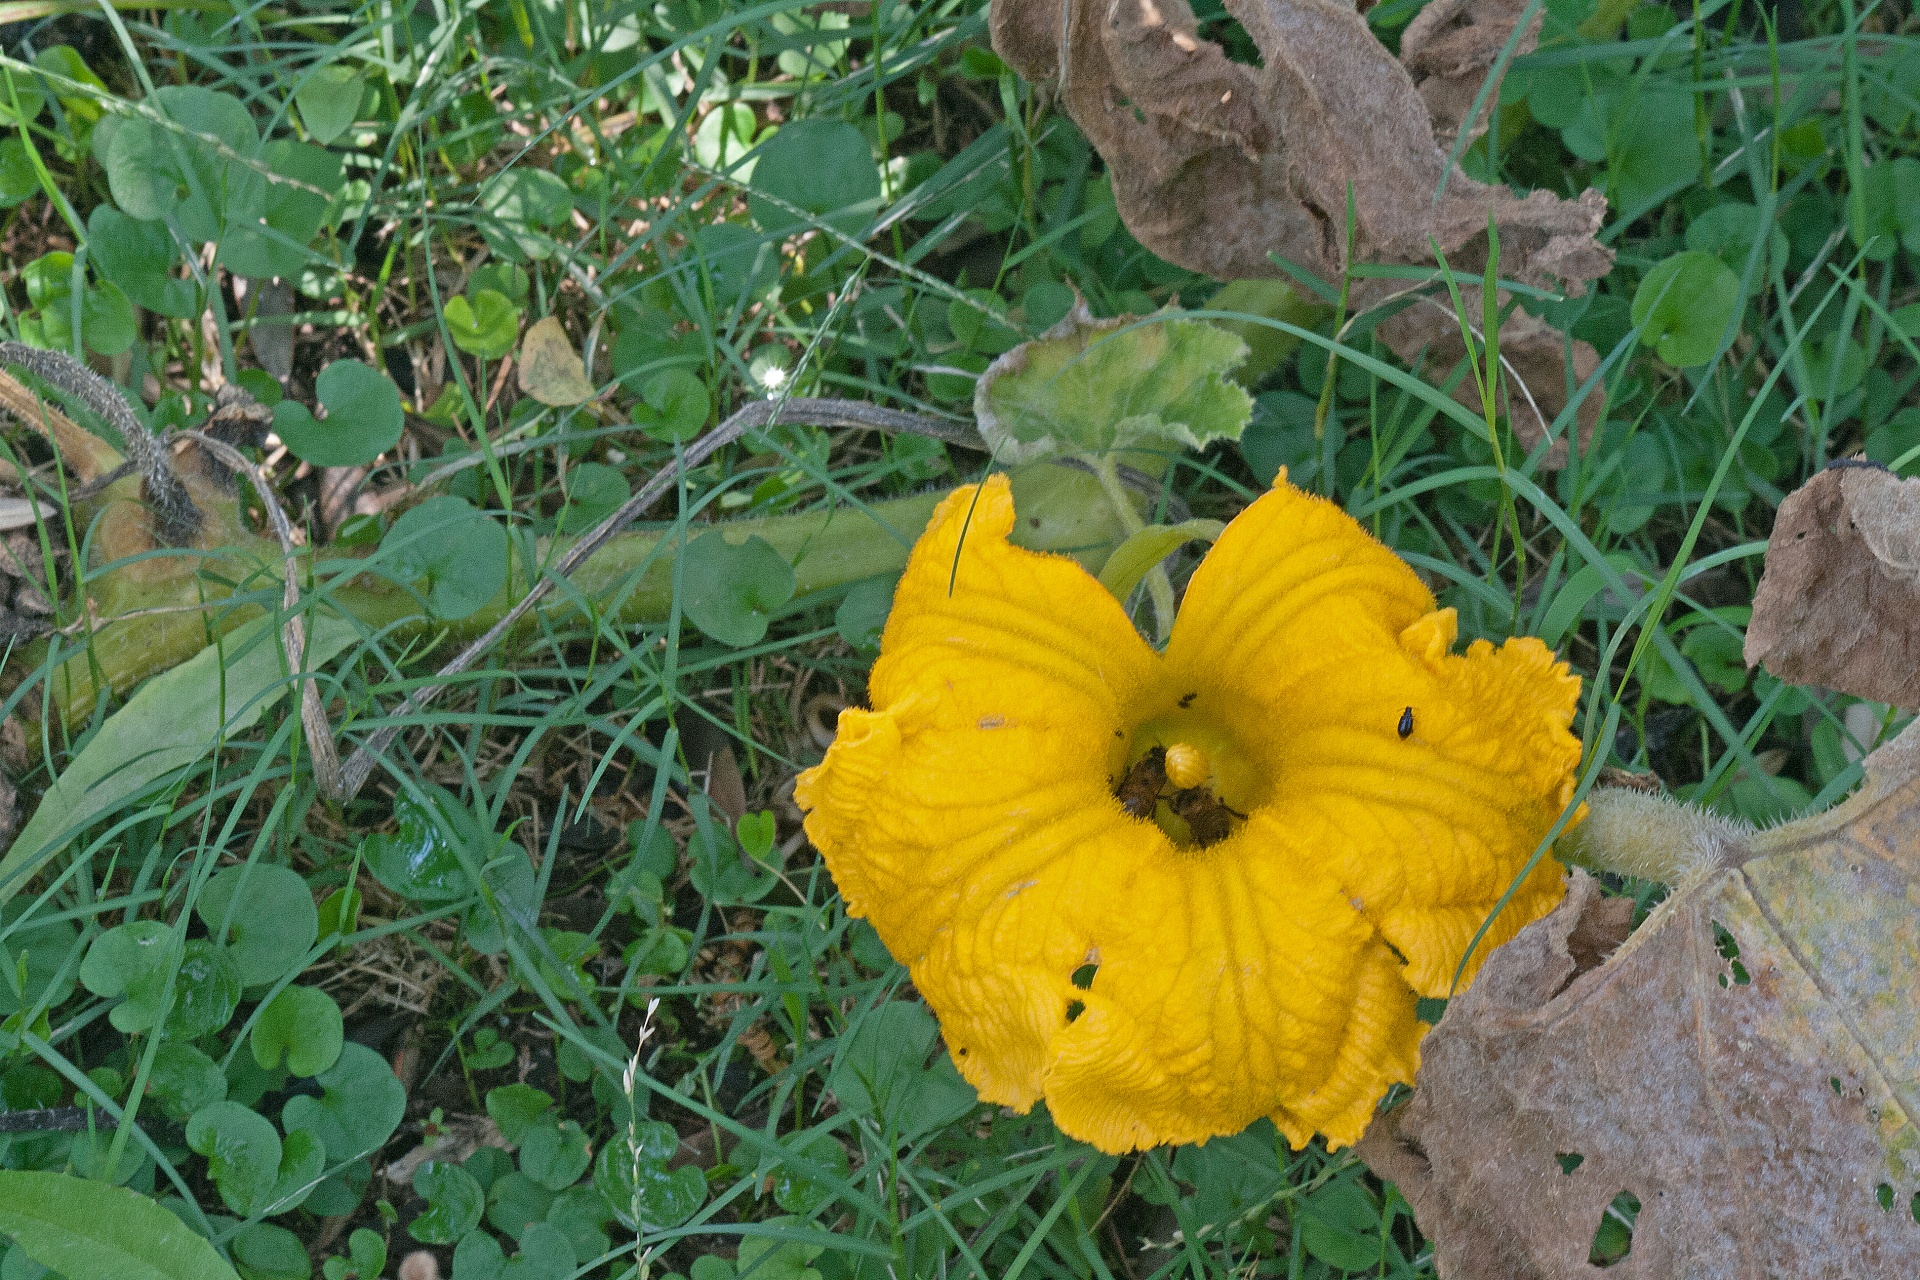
point(1173, 892)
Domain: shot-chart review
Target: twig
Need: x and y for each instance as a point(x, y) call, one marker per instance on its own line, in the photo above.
point(55, 1120)
point(313, 716)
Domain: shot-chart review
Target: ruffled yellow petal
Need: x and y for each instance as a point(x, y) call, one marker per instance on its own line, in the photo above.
point(1228, 986)
point(1424, 832)
point(969, 815)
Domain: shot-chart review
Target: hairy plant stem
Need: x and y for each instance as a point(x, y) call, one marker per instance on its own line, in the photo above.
point(182, 599)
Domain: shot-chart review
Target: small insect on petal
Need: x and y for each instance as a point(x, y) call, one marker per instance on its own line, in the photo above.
point(1406, 723)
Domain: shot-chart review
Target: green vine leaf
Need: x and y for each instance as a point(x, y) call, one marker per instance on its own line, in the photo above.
point(1090, 386)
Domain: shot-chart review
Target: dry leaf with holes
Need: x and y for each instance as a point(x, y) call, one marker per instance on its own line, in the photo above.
point(1216, 165)
point(1839, 603)
point(1746, 1067)
point(551, 371)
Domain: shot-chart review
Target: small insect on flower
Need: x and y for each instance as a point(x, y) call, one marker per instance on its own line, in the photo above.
point(1139, 792)
point(1406, 723)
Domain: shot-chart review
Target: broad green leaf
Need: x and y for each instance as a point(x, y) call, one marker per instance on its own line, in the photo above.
point(554, 1154)
point(140, 258)
point(303, 1024)
point(264, 1251)
point(732, 589)
point(1684, 306)
point(796, 1191)
point(524, 203)
point(487, 326)
point(862, 615)
point(267, 915)
point(514, 1107)
point(1091, 386)
point(550, 369)
point(18, 178)
point(92, 1231)
point(364, 417)
point(419, 860)
point(329, 100)
point(676, 406)
point(1132, 559)
point(184, 1080)
point(454, 1203)
point(272, 240)
point(881, 1070)
point(631, 1173)
point(821, 166)
point(242, 1151)
point(455, 554)
point(594, 492)
point(206, 991)
point(158, 173)
point(130, 960)
point(362, 1104)
point(172, 721)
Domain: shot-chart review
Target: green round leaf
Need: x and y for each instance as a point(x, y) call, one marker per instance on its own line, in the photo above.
point(139, 257)
point(862, 615)
point(822, 166)
point(206, 993)
point(487, 326)
point(304, 1025)
point(797, 1192)
point(130, 960)
point(362, 1104)
point(266, 1252)
point(732, 590)
point(454, 1203)
point(554, 1155)
point(594, 492)
point(457, 554)
point(418, 860)
point(1684, 306)
point(268, 918)
point(631, 1173)
point(184, 1080)
point(514, 1108)
point(242, 1151)
point(363, 421)
point(329, 100)
point(676, 404)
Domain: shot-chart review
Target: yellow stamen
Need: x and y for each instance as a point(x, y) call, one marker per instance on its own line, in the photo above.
point(1187, 765)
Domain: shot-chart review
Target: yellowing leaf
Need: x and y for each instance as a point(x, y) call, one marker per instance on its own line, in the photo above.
point(551, 371)
point(1093, 386)
point(1746, 1067)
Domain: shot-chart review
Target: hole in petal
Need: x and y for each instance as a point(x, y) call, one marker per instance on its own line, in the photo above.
point(1613, 1240)
point(1083, 976)
point(1570, 1160)
point(1075, 1008)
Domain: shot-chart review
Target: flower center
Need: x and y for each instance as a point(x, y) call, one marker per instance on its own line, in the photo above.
point(1173, 784)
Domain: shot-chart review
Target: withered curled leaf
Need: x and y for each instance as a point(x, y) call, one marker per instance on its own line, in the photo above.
point(1839, 603)
point(1746, 1066)
point(1217, 165)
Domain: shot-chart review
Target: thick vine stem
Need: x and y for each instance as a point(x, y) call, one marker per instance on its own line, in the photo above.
point(176, 517)
point(1159, 586)
point(1651, 837)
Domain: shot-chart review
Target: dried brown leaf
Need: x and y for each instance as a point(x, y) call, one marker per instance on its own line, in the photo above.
point(1533, 356)
point(1217, 165)
point(1449, 49)
point(1839, 603)
point(1747, 1065)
